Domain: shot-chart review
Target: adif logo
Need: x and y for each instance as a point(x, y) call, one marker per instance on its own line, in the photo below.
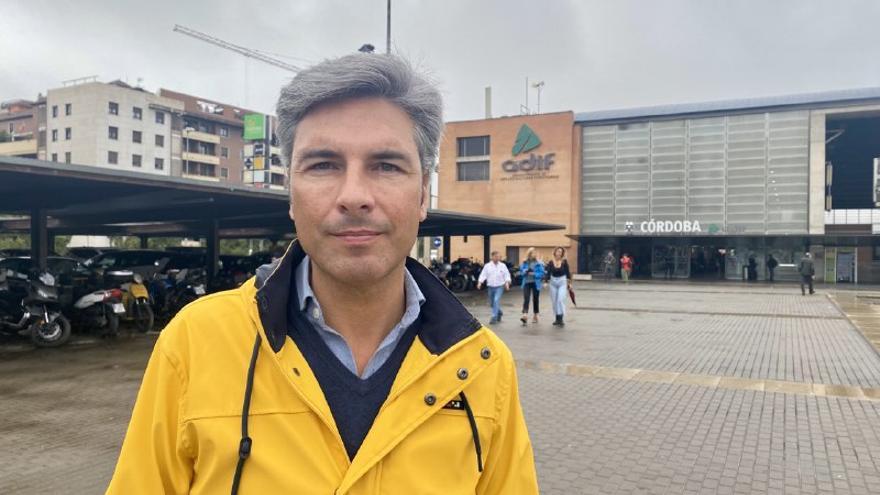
point(527, 140)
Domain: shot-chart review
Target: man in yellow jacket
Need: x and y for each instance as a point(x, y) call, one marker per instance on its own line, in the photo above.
point(344, 367)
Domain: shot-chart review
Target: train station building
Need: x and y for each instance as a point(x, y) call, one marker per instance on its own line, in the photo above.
point(690, 191)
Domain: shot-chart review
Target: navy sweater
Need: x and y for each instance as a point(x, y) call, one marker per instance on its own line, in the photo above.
point(354, 402)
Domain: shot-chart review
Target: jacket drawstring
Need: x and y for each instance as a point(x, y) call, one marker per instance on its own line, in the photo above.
point(244, 447)
point(474, 431)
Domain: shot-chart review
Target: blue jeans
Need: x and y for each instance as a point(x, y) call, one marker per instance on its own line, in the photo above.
point(495, 299)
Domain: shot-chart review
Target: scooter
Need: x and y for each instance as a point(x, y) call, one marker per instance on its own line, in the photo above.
point(136, 301)
point(101, 309)
point(37, 314)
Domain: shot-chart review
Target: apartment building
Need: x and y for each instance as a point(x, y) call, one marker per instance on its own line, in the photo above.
point(22, 128)
point(214, 145)
point(112, 125)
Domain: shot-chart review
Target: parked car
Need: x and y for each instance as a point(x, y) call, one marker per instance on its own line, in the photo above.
point(85, 252)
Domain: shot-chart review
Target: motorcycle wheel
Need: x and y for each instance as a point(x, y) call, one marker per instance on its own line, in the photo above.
point(143, 316)
point(458, 284)
point(112, 329)
point(53, 334)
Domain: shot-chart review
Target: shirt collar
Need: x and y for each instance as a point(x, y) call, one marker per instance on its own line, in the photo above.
point(414, 296)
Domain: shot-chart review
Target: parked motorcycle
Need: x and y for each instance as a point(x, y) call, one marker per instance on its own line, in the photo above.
point(178, 288)
point(37, 314)
point(136, 301)
point(99, 310)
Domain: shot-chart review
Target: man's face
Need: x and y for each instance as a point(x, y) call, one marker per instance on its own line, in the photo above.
point(496, 257)
point(357, 191)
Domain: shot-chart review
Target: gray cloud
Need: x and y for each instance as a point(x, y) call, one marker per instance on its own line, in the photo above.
point(591, 54)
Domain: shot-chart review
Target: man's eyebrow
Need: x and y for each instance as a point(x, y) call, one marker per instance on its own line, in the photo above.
point(389, 155)
point(317, 153)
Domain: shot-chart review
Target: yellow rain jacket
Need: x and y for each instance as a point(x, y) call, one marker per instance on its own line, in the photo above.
point(451, 424)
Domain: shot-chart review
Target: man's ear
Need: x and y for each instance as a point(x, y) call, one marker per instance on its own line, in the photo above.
point(290, 210)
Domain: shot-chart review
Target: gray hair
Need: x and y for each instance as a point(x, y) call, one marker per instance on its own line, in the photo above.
point(364, 75)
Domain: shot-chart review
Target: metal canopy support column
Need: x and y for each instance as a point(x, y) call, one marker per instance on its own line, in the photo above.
point(144, 241)
point(447, 248)
point(212, 256)
point(39, 238)
point(486, 248)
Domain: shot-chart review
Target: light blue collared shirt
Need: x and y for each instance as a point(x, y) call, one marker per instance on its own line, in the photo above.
point(337, 344)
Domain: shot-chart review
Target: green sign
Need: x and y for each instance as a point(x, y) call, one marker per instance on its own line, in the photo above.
point(254, 127)
point(526, 140)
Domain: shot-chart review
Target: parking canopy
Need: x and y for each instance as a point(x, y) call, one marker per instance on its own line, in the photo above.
point(66, 199)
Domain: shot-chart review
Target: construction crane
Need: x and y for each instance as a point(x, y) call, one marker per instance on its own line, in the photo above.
point(247, 52)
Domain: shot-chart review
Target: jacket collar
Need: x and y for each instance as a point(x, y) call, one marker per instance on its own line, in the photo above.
point(444, 320)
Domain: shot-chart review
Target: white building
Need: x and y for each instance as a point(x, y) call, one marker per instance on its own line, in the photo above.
point(112, 125)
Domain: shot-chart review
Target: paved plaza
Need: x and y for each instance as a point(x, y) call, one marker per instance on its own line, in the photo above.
point(650, 388)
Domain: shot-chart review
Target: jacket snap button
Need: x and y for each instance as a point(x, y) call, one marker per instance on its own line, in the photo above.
point(430, 399)
point(485, 353)
point(462, 373)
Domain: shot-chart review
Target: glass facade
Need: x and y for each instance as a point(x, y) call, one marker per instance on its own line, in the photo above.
point(735, 175)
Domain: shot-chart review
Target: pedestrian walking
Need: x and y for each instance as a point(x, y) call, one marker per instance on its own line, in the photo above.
point(345, 366)
point(807, 271)
point(608, 266)
point(626, 266)
point(669, 265)
point(752, 268)
point(496, 276)
point(532, 278)
point(771, 266)
point(560, 281)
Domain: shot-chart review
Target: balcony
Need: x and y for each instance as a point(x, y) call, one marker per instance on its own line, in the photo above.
point(201, 136)
point(204, 178)
point(189, 156)
point(19, 148)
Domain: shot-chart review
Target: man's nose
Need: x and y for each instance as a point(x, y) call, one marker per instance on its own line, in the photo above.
point(355, 194)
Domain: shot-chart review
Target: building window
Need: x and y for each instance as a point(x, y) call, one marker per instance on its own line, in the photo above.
point(470, 171)
point(160, 117)
point(224, 172)
point(114, 108)
point(54, 157)
point(136, 161)
point(224, 131)
point(54, 136)
point(876, 256)
point(67, 157)
point(68, 109)
point(54, 111)
point(137, 113)
point(224, 152)
point(473, 146)
point(136, 136)
point(113, 132)
point(112, 157)
point(159, 164)
point(67, 133)
point(160, 141)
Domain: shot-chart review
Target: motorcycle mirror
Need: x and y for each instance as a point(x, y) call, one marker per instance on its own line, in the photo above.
point(47, 279)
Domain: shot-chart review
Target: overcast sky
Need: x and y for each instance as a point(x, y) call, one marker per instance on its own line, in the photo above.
point(592, 55)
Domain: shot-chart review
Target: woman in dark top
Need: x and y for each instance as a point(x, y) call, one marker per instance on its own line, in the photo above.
point(560, 282)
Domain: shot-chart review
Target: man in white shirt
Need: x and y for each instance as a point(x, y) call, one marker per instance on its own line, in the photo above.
point(496, 276)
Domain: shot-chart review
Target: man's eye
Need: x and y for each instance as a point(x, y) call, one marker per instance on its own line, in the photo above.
point(389, 167)
point(321, 166)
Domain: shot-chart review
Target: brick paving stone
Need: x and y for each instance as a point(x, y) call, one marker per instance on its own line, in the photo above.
point(596, 432)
